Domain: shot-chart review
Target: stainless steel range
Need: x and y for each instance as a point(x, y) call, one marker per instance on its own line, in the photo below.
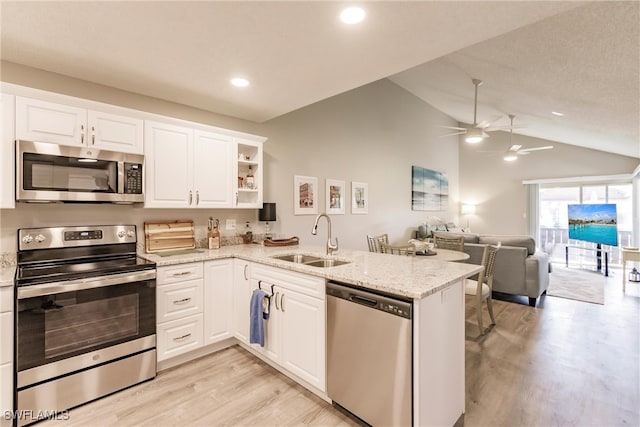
point(85, 322)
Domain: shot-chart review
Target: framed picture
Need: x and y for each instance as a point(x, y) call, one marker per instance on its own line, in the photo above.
point(359, 197)
point(429, 190)
point(335, 193)
point(305, 195)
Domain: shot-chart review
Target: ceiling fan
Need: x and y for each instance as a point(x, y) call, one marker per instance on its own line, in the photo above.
point(478, 131)
point(516, 150)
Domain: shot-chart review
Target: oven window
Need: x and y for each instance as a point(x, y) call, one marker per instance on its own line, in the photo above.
point(54, 327)
point(59, 173)
point(85, 325)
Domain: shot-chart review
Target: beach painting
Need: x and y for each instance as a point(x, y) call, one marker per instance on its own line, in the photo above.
point(429, 190)
point(595, 223)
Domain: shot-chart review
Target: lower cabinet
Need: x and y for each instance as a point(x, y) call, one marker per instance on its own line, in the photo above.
point(241, 295)
point(295, 330)
point(218, 300)
point(6, 353)
point(179, 309)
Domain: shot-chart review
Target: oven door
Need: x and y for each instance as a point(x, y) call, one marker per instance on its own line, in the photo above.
point(60, 321)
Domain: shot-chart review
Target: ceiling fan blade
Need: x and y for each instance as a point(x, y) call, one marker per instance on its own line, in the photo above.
point(453, 127)
point(546, 147)
point(452, 134)
point(486, 123)
point(515, 147)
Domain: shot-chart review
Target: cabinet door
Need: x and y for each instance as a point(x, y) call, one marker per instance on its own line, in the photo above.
point(241, 298)
point(7, 133)
point(6, 393)
point(303, 337)
point(116, 133)
point(169, 175)
point(218, 305)
point(213, 170)
point(50, 122)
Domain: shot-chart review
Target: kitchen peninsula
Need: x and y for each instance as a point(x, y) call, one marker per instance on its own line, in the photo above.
point(435, 288)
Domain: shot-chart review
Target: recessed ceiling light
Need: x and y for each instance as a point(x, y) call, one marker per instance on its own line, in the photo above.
point(556, 113)
point(240, 82)
point(352, 15)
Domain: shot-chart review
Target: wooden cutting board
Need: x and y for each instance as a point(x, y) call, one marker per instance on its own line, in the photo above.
point(169, 235)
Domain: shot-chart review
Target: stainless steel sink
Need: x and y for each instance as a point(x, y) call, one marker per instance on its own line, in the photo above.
point(326, 263)
point(298, 258)
point(311, 260)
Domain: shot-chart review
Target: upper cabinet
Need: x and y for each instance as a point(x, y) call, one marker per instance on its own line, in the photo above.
point(248, 169)
point(187, 168)
point(7, 133)
point(38, 120)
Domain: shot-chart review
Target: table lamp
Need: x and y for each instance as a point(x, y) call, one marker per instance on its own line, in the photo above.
point(267, 213)
point(468, 209)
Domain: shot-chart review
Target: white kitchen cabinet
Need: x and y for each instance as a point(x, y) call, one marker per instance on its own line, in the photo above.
point(218, 300)
point(295, 330)
point(249, 158)
point(187, 168)
point(38, 120)
point(6, 353)
point(7, 133)
point(241, 297)
point(179, 309)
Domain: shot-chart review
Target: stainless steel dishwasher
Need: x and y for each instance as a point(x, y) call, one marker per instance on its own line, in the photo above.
point(369, 355)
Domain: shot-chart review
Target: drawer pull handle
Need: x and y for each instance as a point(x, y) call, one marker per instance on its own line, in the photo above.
point(182, 337)
point(182, 273)
point(182, 301)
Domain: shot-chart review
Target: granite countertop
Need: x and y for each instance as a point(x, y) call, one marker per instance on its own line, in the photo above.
point(6, 275)
point(412, 277)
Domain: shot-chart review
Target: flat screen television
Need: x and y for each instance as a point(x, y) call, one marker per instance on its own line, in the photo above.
point(597, 223)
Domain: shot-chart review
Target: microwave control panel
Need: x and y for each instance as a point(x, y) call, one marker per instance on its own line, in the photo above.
point(133, 178)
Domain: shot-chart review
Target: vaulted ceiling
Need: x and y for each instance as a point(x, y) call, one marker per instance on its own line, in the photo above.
point(581, 59)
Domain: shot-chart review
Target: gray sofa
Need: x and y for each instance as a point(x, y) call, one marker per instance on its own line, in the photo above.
point(519, 269)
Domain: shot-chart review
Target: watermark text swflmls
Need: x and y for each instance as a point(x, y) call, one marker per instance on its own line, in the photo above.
point(29, 415)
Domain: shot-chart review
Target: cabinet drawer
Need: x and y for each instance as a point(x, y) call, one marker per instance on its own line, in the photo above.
point(179, 336)
point(6, 391)
point(6, 335)
point(303, 283)
point(179, 299)
point(6, 298)
point(179, 273)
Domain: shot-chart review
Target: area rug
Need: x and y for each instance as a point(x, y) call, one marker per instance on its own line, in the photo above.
point(577, 284)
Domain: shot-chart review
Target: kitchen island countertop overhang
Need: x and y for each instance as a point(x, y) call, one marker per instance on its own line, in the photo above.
point(410, 277)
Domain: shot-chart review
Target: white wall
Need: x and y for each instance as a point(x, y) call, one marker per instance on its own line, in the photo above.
point(372, 134)
point(495, 186)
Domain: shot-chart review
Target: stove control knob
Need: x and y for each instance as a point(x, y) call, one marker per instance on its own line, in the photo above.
point(121, 234)
point(130, 233)
point(27, 239)
point(40, 238)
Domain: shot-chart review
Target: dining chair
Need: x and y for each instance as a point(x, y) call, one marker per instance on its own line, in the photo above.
point(375, 241)
point(408, 250)
point(455, 243)
point(481, 289)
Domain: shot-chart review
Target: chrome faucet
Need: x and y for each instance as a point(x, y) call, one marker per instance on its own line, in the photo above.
point(331, 248)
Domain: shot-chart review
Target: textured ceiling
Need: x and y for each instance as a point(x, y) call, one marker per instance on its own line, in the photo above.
point(533, 56)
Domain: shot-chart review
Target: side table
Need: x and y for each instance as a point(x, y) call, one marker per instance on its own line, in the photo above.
point(628, 255)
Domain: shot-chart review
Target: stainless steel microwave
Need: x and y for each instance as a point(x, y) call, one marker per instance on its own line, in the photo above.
point(48, 172)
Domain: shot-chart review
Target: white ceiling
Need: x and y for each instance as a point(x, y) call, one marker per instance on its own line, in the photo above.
point(534, 57)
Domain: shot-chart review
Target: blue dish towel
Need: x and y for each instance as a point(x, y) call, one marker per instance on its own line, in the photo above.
point(257, 314)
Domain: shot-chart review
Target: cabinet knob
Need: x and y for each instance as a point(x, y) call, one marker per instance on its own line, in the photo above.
point(40, 238)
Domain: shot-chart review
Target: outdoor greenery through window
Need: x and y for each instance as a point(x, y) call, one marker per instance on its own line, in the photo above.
point(554, 221)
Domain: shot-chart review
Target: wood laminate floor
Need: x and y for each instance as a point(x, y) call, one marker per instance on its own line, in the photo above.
point(563, 363)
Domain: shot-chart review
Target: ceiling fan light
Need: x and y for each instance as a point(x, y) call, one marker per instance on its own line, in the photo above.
point(474, 136)
point(510, 157)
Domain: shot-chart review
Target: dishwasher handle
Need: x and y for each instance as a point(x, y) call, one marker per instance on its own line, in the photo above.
point(363, 300)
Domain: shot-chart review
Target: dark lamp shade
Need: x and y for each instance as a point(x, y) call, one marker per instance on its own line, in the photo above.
point(268, 212)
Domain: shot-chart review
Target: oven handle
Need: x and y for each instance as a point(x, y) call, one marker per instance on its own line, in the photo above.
point(80, 285)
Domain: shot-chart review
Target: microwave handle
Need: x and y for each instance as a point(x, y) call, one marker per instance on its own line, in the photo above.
point(120, 177)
